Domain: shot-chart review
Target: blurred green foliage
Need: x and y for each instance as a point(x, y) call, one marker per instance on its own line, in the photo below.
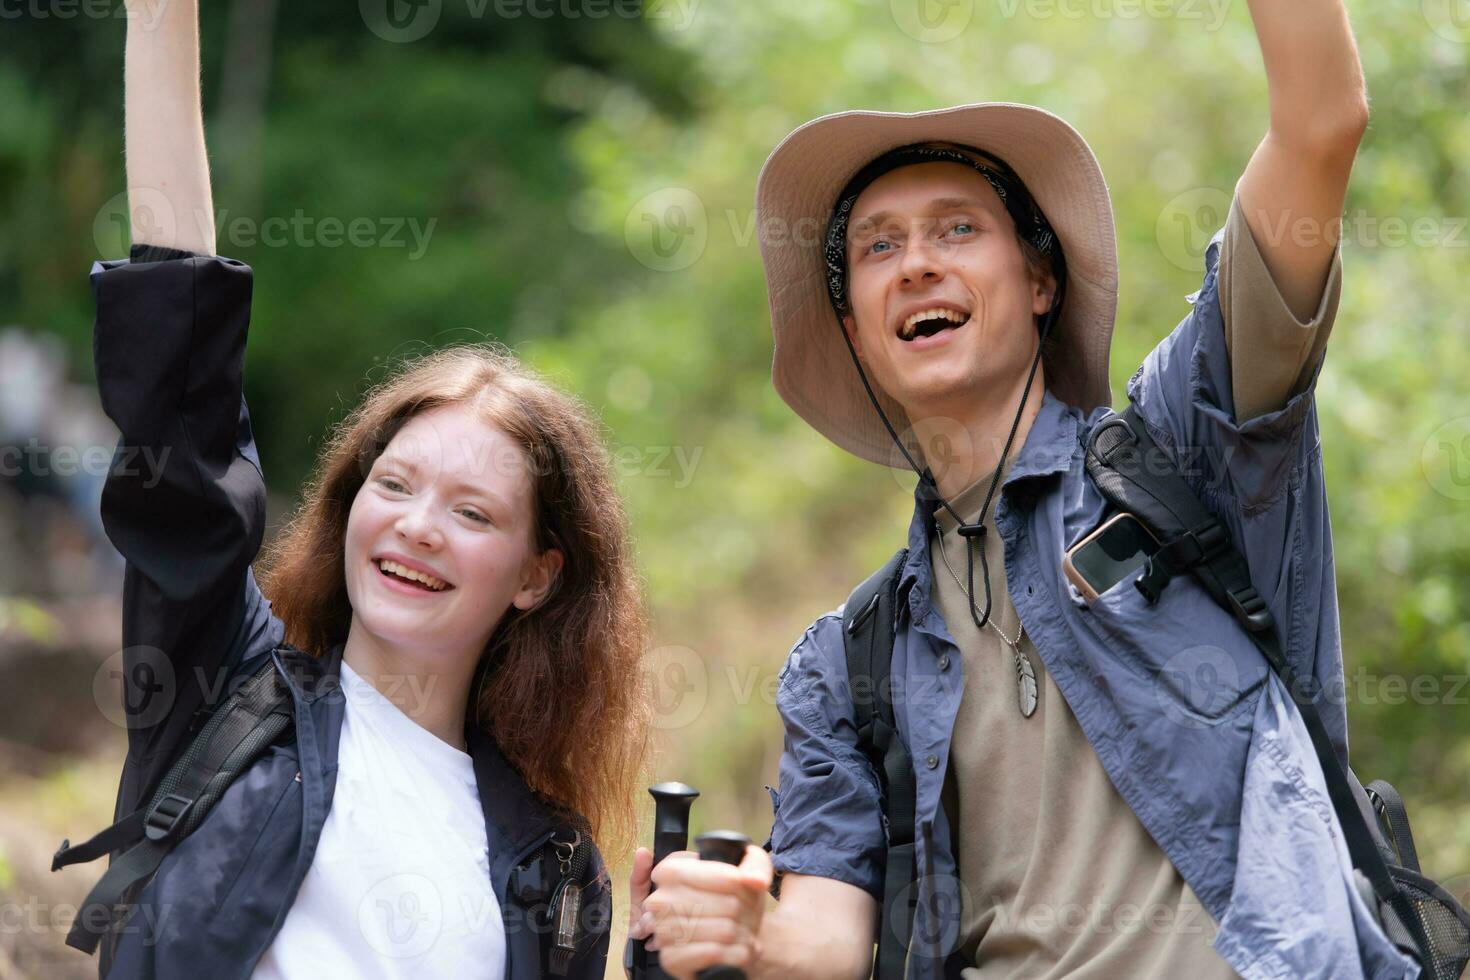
point(551, 154)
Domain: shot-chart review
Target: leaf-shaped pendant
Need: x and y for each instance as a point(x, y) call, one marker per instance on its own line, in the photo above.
point(1025, 684)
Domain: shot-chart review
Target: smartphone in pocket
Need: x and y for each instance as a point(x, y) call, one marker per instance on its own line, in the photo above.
point(1108, 555)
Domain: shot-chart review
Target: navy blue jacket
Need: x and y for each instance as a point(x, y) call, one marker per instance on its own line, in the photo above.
point(184, 503)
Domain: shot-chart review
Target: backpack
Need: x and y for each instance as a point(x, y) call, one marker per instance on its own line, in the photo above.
point(255, 715)
point(1121, 459)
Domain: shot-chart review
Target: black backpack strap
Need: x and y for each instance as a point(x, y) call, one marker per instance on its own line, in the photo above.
point(1391, 810)
point(867, 636)
point(1137, 477)
point(237, 733)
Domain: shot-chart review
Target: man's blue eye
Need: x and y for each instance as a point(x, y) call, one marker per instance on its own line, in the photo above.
point(963, 228)
point(874, 246)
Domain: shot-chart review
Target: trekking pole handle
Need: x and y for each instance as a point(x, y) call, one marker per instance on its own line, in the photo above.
point(671, 803)
point(727, 847)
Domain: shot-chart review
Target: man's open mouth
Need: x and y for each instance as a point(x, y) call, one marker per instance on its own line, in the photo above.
point(927, 323)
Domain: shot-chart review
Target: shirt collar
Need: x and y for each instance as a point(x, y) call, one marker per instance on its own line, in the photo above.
point(1048, 449)
point(516, 811)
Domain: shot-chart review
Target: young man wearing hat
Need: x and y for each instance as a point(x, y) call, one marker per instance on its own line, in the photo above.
point(1105, 787)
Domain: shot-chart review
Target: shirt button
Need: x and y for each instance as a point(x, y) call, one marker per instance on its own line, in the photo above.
point(932, 762)
point(944, 661)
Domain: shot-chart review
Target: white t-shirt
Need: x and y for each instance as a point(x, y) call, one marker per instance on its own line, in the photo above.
point(400, 884)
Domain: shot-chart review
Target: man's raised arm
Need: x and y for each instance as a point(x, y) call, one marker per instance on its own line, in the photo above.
point(1293, 189)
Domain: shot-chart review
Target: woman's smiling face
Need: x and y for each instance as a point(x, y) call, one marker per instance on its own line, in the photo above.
point(451, 497)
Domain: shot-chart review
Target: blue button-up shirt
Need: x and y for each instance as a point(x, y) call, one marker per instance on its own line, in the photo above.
point(1200, 738)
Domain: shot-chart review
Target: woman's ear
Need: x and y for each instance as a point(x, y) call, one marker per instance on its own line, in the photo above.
point(538, 577)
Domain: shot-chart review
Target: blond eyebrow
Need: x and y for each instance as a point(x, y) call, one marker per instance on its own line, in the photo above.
point(937, 204)
point(458, 485)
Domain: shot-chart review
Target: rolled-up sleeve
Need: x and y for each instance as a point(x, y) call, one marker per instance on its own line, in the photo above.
point(1273, 355)
point(1184, 390)
point(828, 813)
point(184, 500)
point(1262, 476)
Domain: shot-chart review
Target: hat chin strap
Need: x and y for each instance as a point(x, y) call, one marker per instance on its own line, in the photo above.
point(976, 530)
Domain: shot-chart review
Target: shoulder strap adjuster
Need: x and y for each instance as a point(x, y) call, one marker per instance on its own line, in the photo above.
point(1251, 609)
point(165, 816)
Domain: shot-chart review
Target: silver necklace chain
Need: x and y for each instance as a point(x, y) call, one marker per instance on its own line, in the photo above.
point(1027, 688)
point(1020, 627)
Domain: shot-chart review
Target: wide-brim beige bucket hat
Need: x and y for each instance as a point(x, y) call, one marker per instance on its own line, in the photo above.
point(795, 196)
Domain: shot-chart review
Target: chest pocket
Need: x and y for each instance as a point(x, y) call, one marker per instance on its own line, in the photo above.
point(1199, 663)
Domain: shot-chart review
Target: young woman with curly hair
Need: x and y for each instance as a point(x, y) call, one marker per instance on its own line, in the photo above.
point(453, 610)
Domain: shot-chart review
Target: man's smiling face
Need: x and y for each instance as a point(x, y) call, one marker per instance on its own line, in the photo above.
point(942, 298)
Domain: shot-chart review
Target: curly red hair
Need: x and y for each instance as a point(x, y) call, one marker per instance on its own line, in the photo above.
point(563, 692)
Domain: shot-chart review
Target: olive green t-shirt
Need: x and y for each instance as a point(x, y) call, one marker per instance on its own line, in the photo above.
point(1059, 876)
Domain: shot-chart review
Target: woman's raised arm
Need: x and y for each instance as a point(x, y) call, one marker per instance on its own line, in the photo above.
point(185, 501)
point(168, 168)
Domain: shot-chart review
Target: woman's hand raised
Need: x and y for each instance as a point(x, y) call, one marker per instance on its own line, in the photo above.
point(169, 198)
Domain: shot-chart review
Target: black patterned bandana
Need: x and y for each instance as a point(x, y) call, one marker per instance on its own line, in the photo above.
point(1030, 222)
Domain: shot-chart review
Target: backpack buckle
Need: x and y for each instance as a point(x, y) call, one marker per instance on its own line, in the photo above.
point(1156, 575)
point(1250, 609)
point(165, 816)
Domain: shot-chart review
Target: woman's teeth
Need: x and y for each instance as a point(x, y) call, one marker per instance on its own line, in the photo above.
point(910, 326)
point(395, 569)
